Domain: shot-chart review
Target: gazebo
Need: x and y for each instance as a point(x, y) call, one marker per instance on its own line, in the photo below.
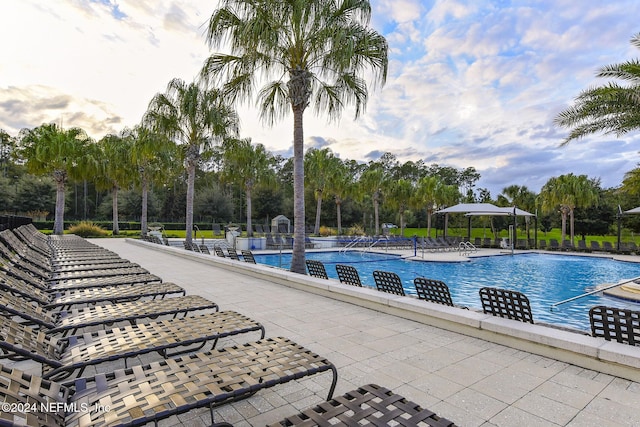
point(488, 209)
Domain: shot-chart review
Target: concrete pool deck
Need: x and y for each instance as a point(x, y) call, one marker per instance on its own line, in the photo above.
point(479, 375)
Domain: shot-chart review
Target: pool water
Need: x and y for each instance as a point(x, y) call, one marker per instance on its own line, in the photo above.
point(544, 279)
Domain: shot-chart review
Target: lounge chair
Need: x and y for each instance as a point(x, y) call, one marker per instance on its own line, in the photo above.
point(615, 324)
point(505, 303)
point(67, 298)
point(348, 274)
point(219, 252)
point(389, 282)
point(316, 269)
point(70, 321)
point(204, 249)
point(433, 290)
point(61, 358)
point(367, 405)
point(595, 246)
point(554, 245)
point(149, 393)
point(231, 253)
point(582, 246)
point(247, 256)
point(608, 247)
point(542, 244)
point(567, 245)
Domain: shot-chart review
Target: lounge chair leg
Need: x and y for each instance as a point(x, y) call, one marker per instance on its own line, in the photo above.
point(332, 389)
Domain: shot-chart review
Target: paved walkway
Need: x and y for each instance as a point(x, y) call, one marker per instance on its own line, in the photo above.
point(465, 379)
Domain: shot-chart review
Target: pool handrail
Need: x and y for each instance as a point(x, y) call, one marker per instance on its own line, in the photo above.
point(586, 294)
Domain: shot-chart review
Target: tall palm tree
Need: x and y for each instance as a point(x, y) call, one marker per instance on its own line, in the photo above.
point(116, 169)
point(340, 186)
point(315, 51)
point(51, 150)
point(522, 197)
point(400, 193)
point(427, 195)
point(153, 154)
point(611, 108)
point(319, 165)
point(194, 117)
point(372, 181)
point(248, 165)
point(568, 192)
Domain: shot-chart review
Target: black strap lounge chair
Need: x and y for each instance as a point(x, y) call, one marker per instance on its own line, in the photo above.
point(247, 256)
point(595, 246)
point(233, 254)
point(615, 324)
point(61, 358)
point(70, 321)
point(219, 252)
point(389, 282)
point(150, 393)
point(433, 290)
point(316, 269)
point(348, 274)
point(368, 405)
point(204, 249)
point(505, 303)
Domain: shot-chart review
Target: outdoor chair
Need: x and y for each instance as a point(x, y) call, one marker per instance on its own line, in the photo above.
point(608, 247)
point(348, 275)
point(247, 256)
point(582, 246)
point(70, 321)
point(367, 405)
point(615, 324)
point(204, 249)
point(218, 251)
point(231, 253)
point(150, 393)
point(433, 291)
point(542, 244)
point(595, 245)
point(67, 298)
point(389, 282)
point(316, 269)
point(507, 304)
point(554, 245)
point(567, 245)
point(61, 358)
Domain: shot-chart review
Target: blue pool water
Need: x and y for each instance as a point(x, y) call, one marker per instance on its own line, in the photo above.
point(544, 279)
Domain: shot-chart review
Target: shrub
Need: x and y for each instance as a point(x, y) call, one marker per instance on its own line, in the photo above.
point(87, 229)
point(326, 231)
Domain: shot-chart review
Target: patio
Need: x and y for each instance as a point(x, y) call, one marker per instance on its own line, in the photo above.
point(471, 381)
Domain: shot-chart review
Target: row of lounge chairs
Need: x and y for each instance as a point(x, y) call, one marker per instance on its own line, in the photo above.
point(610, 323)
point(33, 329)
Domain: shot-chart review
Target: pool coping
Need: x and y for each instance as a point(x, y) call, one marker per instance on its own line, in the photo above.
point(597, 354)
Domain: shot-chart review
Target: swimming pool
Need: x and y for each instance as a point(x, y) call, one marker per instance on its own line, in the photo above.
point(544, 279)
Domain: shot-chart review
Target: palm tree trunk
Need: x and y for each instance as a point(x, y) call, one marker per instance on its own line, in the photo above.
point(339, 216)
point(298, 255)
point(428, 222)
point(114, 208)
point(249, 226)
point(564, 225)
point(145, 199)
point(375, 214)
point(571, 225)
point(58, 223)
point(191, 178)
point(318, 209)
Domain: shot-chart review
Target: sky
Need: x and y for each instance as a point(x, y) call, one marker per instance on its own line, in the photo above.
point(471, 83)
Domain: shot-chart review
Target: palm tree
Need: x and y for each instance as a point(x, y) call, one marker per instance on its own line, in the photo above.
point(315, 51)
point(248, 165)
point(49, 149)
point(319, 166)
point(153, 154)
point(116, 170)
point(195, 118)
point(341, 186)
point(611, 108)
point(568, 192)
point(520, 196)
point(372, 181)
point(400, 193)
point(427, 196)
